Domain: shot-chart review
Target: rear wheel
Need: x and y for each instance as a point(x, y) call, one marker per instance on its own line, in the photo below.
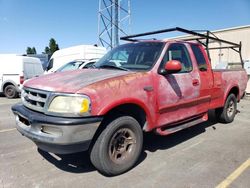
point(10, 91)
point(118, 147)
point(227, 113)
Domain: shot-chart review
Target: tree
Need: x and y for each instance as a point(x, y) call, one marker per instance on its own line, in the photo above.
point(34, 50)
point(30, 50)
point(53, 46)
point(47, 50)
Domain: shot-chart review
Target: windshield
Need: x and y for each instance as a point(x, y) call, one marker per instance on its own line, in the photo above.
point(132, 56)
point(70, 66)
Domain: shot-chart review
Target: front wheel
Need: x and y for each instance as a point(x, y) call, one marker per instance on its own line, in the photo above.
point(118, 147)
point(227, 113)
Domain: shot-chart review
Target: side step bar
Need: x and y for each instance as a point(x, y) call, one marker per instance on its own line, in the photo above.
point(172, 129)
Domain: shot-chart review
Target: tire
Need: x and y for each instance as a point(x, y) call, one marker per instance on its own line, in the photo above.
point(118, 146)
point(10, 92)
point(227, 113)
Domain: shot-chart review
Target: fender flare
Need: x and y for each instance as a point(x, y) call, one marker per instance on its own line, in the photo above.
point(228, 91)
point(149, 115)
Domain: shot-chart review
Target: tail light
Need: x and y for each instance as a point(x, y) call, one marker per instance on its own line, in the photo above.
point(21, 79)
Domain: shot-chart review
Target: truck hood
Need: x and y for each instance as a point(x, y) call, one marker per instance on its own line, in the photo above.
point(72, 81)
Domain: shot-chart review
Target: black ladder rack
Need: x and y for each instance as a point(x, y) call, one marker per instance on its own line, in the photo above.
point(199, 35)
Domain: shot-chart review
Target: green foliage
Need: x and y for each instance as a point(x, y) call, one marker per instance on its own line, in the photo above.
point(53, 46)
point(30, 50)
point(47, 50)
point(34, 50)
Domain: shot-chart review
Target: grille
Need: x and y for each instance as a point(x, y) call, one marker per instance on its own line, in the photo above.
point(34, 99)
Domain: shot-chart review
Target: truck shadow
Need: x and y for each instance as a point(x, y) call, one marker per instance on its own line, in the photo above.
point(166, 142)
point(80, 162)
point(76, 162)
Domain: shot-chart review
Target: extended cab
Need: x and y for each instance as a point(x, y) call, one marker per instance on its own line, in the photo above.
point(161, 86)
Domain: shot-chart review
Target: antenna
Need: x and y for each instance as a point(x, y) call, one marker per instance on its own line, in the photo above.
point(113, 21)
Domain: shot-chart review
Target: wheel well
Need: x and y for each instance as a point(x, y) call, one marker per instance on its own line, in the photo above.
point(235, 91)
point(7, 84)
point(132, 110)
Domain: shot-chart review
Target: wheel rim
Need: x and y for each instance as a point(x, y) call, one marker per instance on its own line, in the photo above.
point(230, 108)
point(122, 145)
point(9, 92)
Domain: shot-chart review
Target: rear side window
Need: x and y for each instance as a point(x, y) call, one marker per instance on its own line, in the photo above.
point(28, 70)
point(202, 65)
point(179, 52)
point(32, 69)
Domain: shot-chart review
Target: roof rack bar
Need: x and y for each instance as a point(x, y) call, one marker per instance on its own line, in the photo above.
point(129, 38)
point(207, 42)
point(148, 33)
point(194, 38)
point(202, 35)
point(223, 47)
point(241, 59)
point(198, 37)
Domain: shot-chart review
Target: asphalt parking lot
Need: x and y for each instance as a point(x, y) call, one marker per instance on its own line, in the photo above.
point(207, 155)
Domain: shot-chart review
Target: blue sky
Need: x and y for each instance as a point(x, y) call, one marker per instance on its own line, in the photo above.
point(71, 22)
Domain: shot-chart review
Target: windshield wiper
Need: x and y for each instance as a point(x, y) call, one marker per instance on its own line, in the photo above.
point(113, 67)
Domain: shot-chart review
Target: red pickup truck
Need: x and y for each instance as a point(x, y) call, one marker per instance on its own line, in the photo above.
point(153, 85)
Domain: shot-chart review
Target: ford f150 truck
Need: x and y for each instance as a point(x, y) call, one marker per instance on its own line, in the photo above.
point(145, 85)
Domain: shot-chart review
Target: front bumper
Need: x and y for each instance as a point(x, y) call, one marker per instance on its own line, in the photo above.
point(56, 134)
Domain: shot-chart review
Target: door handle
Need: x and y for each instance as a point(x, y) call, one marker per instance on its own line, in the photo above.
point(195, 82)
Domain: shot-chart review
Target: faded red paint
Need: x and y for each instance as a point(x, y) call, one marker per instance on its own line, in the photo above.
point(173, 97)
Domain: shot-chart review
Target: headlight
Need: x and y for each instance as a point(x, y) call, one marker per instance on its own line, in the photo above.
point(70, 105)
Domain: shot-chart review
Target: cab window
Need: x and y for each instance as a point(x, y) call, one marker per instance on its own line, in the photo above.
point(179, 52)
point(201, 62)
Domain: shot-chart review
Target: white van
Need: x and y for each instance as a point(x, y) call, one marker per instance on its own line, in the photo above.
point(66, 55)
point(14, 70)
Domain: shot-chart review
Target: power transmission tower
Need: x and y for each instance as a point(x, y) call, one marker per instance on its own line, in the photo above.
point(113, 21)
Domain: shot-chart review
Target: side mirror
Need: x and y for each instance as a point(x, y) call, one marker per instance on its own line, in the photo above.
point(172, 66)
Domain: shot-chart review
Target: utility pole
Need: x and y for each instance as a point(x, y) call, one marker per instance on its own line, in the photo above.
point(113, 21)
point(116, 23)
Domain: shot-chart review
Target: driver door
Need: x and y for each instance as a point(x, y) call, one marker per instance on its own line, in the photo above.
point(177, 92)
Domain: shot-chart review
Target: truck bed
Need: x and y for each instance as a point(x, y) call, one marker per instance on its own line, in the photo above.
point(225, 80)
